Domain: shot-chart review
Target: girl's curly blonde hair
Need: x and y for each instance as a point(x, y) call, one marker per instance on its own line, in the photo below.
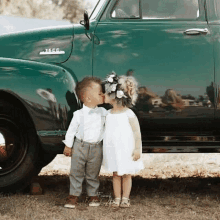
point(128, 85)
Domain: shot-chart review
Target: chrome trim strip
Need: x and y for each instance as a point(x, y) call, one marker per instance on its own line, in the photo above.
point(52, 53)
point(51, 133)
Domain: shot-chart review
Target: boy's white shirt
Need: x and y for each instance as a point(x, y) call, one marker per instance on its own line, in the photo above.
point(93, 128)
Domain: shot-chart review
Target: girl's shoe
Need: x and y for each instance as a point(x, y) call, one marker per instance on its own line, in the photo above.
point(116, 202)
point(125, 203)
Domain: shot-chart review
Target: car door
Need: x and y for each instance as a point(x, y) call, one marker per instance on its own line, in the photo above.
point(213, 8)
point(166, 45)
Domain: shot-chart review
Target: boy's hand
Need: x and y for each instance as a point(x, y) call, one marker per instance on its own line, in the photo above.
point(67, 151)
point(136, 154)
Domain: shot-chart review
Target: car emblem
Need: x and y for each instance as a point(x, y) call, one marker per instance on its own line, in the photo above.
point(52, 51)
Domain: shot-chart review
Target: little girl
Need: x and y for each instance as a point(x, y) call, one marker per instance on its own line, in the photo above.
point(122, 146)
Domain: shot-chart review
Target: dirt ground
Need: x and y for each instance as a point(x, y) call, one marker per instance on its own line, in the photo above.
point(170, 187)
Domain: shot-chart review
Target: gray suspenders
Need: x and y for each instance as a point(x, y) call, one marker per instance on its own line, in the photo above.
point(81, 127)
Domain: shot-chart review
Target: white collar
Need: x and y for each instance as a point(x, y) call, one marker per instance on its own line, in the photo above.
point(86, 109)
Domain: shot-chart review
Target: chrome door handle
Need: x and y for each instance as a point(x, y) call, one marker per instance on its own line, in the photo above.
point(195, 31)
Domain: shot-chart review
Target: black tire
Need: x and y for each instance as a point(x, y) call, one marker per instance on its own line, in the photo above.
point(44, 159)
point(21, 142)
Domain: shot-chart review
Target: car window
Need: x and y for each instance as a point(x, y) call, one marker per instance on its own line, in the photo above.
point(170, 9)
point(126, 9)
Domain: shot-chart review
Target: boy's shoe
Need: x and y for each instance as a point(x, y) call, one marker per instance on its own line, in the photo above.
point(116, 202)
point(125, 203)
point(71, 202)
point(94, 201)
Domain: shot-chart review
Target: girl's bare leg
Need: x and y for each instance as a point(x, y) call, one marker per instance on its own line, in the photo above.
point(127, 182)
point(117, 185)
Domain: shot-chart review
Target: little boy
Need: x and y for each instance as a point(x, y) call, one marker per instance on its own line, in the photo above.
point(83, 142)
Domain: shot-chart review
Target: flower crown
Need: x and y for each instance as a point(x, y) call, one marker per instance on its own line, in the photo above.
point(111, 84)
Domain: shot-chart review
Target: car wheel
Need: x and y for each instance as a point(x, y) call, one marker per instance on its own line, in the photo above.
point(44, 159)
point(20, 151)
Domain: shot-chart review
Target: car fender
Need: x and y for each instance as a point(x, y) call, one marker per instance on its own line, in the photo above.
point(47, 92)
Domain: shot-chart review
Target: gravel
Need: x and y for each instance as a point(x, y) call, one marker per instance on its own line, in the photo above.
point(209, 162)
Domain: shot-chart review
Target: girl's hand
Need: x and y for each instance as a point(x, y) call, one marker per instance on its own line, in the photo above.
point(67, 151)
point(136, 154)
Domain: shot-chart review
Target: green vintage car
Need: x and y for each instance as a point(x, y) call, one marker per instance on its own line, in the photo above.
point(170, 46)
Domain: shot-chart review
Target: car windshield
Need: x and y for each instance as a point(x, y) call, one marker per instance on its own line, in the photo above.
point(97, 6)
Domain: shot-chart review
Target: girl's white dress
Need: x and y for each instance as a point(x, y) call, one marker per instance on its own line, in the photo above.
point(119, 143)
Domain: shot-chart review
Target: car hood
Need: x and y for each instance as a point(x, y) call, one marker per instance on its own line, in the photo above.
point(36, 40)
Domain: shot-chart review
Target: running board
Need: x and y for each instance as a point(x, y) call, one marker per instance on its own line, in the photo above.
point(147, 148)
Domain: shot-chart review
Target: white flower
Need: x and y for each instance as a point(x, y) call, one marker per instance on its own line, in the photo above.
point(113, 87)
point(112, 75)
point(110, 79)
point(108, 88)
point(120, 94)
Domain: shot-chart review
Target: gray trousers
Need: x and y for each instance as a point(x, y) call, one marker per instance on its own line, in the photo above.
point(85, 163)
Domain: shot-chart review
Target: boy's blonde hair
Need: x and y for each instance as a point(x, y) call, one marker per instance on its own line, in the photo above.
point(128, 85)
point(82, 86)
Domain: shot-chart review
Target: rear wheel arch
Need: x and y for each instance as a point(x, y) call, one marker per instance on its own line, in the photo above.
point(6, 96)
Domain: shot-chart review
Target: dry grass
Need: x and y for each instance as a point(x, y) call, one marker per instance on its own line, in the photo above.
point(192, 197)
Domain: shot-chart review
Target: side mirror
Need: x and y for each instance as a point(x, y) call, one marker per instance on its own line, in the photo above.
point(86, 20)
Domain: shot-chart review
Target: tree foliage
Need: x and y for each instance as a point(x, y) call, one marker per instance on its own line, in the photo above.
point(71, 10)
